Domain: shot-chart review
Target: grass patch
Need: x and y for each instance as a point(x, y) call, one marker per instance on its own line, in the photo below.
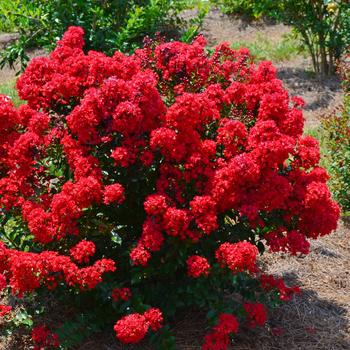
point(9, 89)
point(264, 49)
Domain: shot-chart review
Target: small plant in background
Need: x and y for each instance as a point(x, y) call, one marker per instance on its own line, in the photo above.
point(7, 18)
point(161, 173)
point(109, 25)
point(336, 131)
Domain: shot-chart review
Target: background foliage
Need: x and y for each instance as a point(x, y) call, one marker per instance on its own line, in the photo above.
point(109, 25)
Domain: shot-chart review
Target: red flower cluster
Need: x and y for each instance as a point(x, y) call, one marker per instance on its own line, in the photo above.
point(133, 328)
point(121, 294)
point(82, 252)
point(268, 282)
point(28, 271)
point(113, 193)
point(256, 314)
point(219, 337)
point(292, 241)
point(197, 266)
point(172, 148)
point(5, 310)
point(238, 257)
point(43, 338)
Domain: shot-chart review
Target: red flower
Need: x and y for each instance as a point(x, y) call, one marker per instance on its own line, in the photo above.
point(121, 294)
point(131, 328)
point(43, 338)
point(218, 338)
point(3, 282)
point(238, 257)
point(268, 282)
point(155, 318)
point(256, 314)
point(82, 252)
point(227, 324)
point(216, 341)
point(140, 256)
point(113, 193)
point(197, 266)
point(5, 310)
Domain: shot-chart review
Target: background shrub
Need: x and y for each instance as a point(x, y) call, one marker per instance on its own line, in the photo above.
point(162, 173)
point(324, 27)
point(109, 25)
point(7, 21)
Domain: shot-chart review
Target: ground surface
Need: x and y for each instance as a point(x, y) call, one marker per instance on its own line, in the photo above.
point(319, 318)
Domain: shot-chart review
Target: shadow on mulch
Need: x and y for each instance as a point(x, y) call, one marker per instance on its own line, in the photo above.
point(303, 82)
point(308, 322)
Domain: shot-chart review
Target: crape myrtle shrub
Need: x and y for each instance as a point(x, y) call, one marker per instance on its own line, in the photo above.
point(149, 183)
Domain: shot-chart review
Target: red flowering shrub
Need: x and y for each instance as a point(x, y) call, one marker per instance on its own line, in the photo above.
point(150, 183)
point(44, 339)
point(256, 314)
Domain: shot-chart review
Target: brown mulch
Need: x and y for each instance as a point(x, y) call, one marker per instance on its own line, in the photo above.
point(318, 319)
